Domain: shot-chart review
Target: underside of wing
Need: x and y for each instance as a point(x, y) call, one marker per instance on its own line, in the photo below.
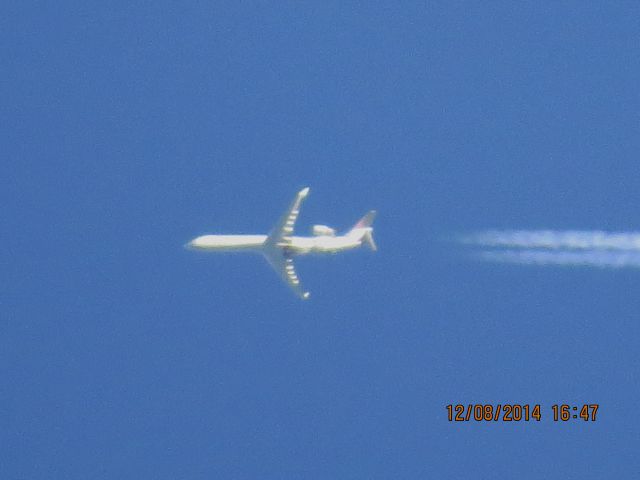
point(284, 227)
point(275, 247)
point(283, 264)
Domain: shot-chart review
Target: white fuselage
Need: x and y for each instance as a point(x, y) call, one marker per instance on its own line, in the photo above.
point(281, 245)
point(294, 245)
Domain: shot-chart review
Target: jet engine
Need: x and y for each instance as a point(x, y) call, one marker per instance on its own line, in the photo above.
point(323, 230)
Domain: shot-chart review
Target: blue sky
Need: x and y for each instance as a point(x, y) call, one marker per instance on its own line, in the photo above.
point(130, 128)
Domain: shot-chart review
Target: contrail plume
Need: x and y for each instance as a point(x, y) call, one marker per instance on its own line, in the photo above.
point(557, 247)
point(555, 240)
point(585, 258)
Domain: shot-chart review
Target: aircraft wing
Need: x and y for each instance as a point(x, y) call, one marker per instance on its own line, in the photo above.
point(283, 264)
point(285, 225)
point(275, 247)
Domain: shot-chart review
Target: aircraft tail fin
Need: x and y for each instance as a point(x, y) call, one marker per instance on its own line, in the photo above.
point(364, 229)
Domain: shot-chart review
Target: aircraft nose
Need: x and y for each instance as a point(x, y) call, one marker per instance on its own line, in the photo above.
point(189, 245)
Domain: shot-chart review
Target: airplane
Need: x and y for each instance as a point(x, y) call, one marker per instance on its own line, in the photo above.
point(280, 245)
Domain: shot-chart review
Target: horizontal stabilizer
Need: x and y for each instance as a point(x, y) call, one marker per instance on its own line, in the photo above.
point(368, 239)
point(364, 230)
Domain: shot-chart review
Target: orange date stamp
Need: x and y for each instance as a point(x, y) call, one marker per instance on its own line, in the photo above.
point(519, 412)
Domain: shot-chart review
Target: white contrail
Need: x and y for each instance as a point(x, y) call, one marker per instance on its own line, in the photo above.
point(555, 240)
point(557, 247)
point(585, 258)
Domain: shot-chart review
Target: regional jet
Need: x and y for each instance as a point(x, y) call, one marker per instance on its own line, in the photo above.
point(280, 246)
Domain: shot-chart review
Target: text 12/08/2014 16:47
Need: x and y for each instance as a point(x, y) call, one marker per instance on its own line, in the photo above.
point(515, 412)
